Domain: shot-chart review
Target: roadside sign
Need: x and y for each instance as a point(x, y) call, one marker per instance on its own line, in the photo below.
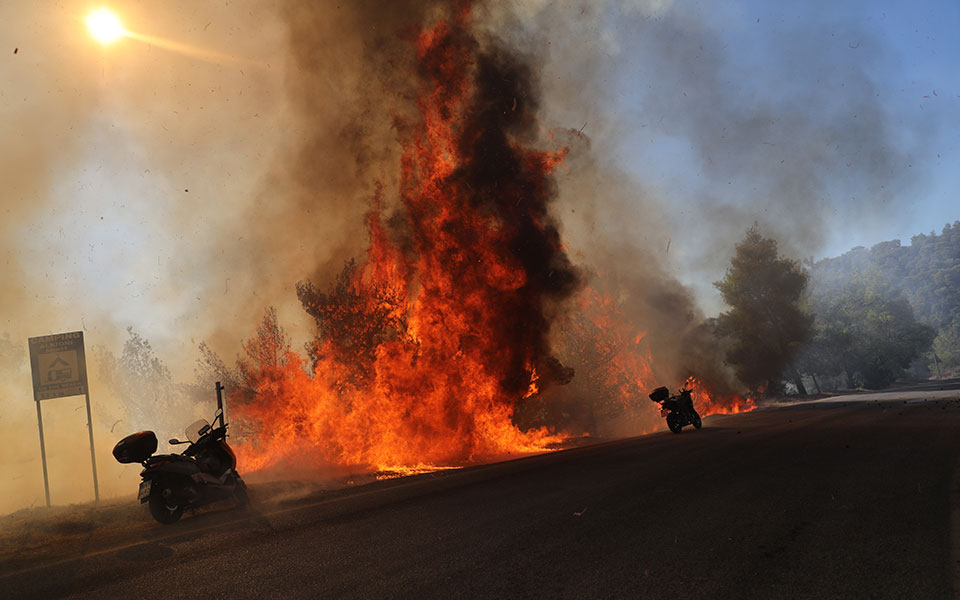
point(59, 366)
point(60, 369)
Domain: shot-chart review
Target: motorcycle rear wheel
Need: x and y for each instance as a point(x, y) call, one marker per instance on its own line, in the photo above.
point(697, 422)
point(673, 422)
point(163, 510)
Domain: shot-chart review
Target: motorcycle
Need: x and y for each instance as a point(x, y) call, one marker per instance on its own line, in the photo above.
point(678, 409)
point(204, 473)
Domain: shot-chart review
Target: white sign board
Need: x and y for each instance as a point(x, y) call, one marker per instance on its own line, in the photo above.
point(59, 366)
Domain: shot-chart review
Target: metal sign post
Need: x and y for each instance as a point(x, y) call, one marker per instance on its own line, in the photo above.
point(43, 455)
point(59, 369)
point(93, 455)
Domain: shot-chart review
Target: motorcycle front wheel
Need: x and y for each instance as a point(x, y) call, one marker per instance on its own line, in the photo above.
point(162, 509)
point(673, 422)
point(697, 422)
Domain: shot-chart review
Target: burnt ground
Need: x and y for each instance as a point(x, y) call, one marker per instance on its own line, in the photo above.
point(842, 499)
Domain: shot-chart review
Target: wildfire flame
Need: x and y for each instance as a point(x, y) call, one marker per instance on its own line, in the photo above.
point(427, 348)
point(708, 403)
point(618, 365)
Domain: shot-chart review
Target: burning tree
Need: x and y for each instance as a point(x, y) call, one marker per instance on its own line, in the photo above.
point(353, 320)
point(435, 348)
point(425, 348)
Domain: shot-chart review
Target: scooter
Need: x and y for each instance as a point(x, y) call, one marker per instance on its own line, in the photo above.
point(204, 473)
point(677, 409)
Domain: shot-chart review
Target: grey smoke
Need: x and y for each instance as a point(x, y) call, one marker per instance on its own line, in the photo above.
point(100, 147)
point(788, 128)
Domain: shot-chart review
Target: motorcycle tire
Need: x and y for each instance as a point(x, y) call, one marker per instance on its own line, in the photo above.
point(240, 495)
point(161, 509)
point(673, 422)
point(697, 422)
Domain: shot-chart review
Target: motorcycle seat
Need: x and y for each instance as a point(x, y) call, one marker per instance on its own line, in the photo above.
point(169, 457)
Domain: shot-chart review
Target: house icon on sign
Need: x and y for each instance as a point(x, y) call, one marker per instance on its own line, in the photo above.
point(59, 370)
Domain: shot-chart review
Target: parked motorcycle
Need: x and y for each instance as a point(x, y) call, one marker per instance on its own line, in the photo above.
point(678, 409)
point(204, 473)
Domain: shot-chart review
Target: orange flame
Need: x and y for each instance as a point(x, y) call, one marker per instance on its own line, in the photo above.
point(708, 403)
point(416, 370)
point(426, 349)
point(618, 367)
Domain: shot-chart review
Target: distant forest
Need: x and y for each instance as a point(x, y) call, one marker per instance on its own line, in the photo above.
point(885, 313)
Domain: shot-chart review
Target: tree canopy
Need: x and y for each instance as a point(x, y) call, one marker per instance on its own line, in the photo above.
point(865, 330)
point(766, 322)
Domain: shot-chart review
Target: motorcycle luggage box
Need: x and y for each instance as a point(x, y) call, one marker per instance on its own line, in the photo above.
point(136, 447)
point(660, 394)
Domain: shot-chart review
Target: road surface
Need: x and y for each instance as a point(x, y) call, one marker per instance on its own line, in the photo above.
point(848, 499)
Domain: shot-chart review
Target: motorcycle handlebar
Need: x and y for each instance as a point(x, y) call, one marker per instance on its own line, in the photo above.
point(214, 434)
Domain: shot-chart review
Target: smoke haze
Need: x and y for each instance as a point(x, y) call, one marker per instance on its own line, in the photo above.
point(181, 195)
point(704, 117)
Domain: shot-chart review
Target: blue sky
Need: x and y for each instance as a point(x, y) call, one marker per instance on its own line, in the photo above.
point(815, 68)
point(917, 72)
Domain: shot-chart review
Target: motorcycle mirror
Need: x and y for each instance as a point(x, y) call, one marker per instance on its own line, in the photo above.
point(175, 441)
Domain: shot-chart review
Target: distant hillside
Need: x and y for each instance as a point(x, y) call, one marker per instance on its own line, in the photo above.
point(926, 273)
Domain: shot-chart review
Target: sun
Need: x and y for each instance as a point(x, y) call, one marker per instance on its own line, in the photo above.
point(105, 26)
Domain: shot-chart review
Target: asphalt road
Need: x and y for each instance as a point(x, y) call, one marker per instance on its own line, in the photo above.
point(837, 500)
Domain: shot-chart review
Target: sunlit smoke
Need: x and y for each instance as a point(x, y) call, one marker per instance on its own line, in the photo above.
point(192, 51)
point(105, 27)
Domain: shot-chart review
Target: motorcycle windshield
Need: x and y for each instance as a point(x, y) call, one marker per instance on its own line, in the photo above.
point(195, 430)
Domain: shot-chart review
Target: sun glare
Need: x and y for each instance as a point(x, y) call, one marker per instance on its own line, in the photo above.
point(105, 26)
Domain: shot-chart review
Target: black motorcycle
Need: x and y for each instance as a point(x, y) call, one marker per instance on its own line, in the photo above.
point(677, 409)
point(204, 473)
